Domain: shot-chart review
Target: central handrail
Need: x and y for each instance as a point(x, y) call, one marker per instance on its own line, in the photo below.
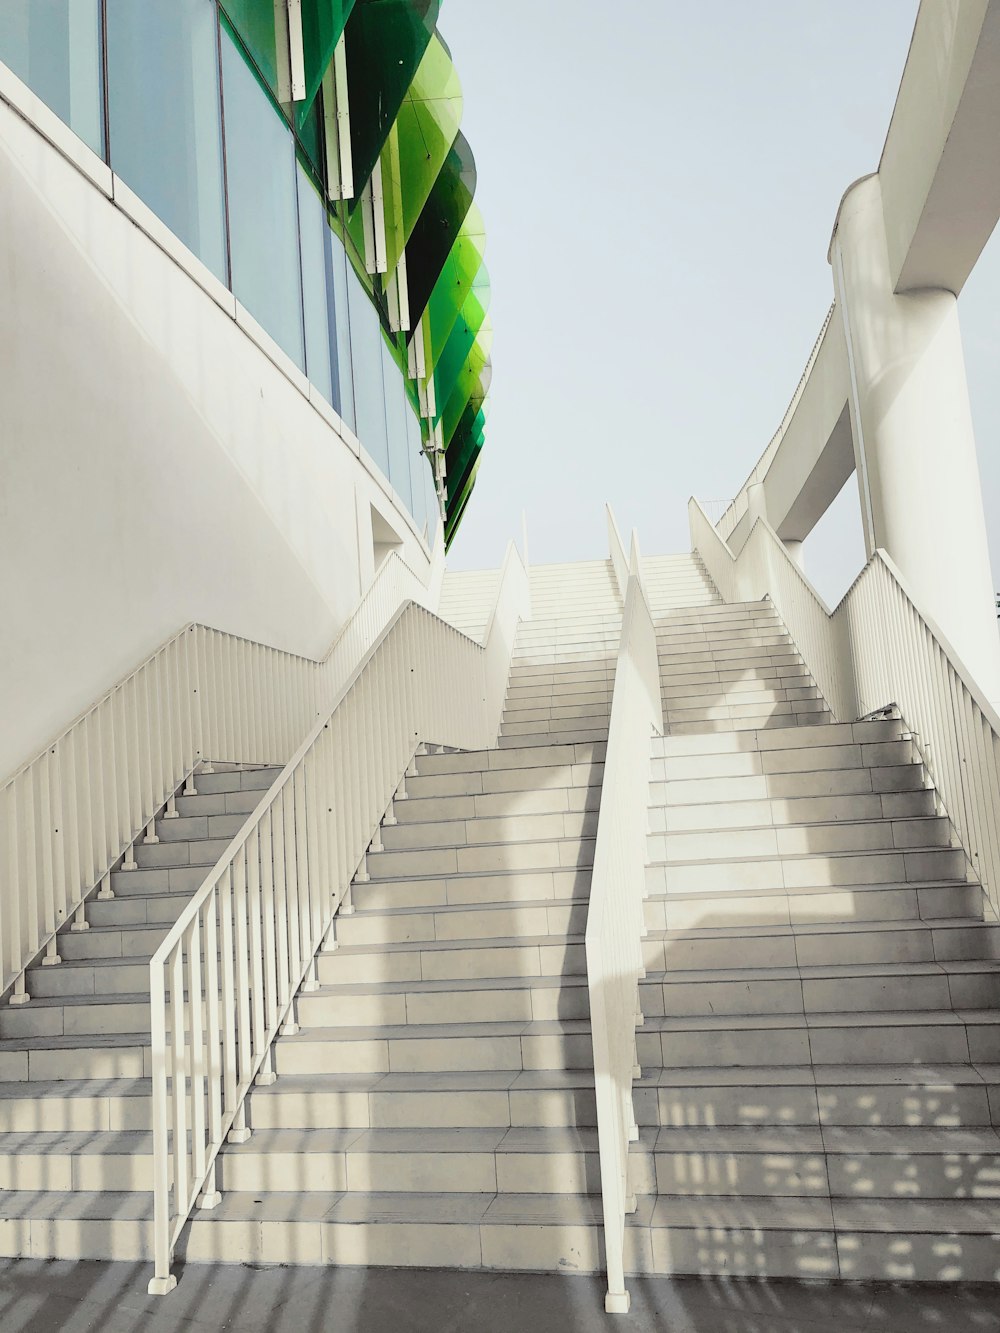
point(615, 915)
point(223, 982)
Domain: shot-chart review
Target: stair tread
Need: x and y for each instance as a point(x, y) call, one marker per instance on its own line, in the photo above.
point(821, 971)
point(831, 1075)
point(848, 1018)
point(738, 859)
point(453, 909)
point(485, 942)
point(780, 1139)
point(473, 1080)
point(437, 986)
point(500, 1138)
point(737, 930)
point(444, 1031)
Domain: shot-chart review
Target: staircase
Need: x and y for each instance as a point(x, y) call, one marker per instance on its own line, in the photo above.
point(75, 1110)
point(436, 1107)
point(821, 1047)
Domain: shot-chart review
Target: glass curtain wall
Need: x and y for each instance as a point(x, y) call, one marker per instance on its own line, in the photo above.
point(164, 117)
point(54, 46)
point(187, 120)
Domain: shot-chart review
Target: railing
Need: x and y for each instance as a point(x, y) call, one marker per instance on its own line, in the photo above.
point(877, 649)
point(733, 510)
point(223, 981)
point(765, 569)
point(615, 916)
point(616, 550)
point(68, 815)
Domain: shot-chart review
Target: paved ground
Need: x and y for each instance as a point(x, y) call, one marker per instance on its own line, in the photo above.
point(41, 1295)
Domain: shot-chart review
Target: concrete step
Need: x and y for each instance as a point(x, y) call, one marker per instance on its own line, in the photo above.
point(818, 988)
point(596, 734)
point(496, 805)
point(497, 890)
point(850, 1239)
point(586, 773)
point(822, 1161)
point(428, 1230)
point(243, 779)
point(822, 905)
point(497, 828)
point(797, 811)
point(505, 999)
point(809, 943)
point(463, 922)
point(753, 841)
point(424, 1048)
point(879, 1037)
point(785, 790)
point(447, 960)
point(750, 723)
point(77, 1106)
point(483, 858)
point(790, 871)
point(482, 1160)
point(461, 1100)
point(944, 1096)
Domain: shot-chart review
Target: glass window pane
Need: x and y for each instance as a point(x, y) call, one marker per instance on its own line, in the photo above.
point(433, 509)
point(366, 357)
point(166, 129)
point(54, 46)
point(344, 366)
point(263, 217)
point(417, 465)
point(396, 411)
point(254, 22)
point(317, 289)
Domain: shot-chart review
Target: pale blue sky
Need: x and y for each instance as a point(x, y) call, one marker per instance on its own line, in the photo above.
point(659, 181)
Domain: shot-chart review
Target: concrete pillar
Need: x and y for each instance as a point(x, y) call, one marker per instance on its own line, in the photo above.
point(794, 549)
point(914, 445)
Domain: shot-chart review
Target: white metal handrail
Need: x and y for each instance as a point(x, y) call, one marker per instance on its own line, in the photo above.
point(68, 815)
point(615, 915)
point(877, 648)
point(223, 981)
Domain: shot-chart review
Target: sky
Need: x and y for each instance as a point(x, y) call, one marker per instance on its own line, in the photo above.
point(659, 181)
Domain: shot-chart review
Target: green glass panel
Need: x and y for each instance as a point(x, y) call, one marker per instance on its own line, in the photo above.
point(454, 284)
point(457, 507)
point(253, 20)
point(438, 226)
point(54, 46)
point(165, 117)
point(385, 42)
point(426, 126)
point(464, 333)
point(469, 385)
point(323, 23)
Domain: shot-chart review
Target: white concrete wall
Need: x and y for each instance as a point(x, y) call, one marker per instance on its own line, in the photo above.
point(156, 466)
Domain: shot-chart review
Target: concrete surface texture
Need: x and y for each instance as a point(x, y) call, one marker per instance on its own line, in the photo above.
point(75, 1297)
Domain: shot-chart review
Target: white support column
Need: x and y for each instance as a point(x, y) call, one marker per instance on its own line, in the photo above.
point(913, 437)
point(794, 549)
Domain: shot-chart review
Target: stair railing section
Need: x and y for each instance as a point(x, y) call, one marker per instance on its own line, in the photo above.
point(875, 650)
point(223, 981)
point(615, 917)
point(68, 816)
point(901, 657)
point(764, 568)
